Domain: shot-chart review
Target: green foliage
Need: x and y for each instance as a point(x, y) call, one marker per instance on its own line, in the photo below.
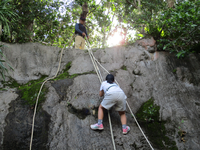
point(148, 111)
point(3, 68)
point(81, 2)
point(3, 89)
point(177, 29)
point(148, 117)
point(10, 83)
point(100, 21)
point(35, 17)
point(174, 71)
point(6, 15)
point(41, 21)
point(138, 18)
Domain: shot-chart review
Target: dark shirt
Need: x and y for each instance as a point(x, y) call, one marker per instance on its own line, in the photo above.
point(79, 29)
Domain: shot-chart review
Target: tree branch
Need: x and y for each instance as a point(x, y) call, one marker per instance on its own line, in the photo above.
point(110, 27)
point(135, 5)
point(93, 9)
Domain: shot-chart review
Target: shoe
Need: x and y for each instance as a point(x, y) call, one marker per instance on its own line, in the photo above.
point(96, 127)
point(125, 131)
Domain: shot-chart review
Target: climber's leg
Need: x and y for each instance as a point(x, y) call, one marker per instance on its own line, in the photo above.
point(125, 128)
point(100, 112)
point(107, 103)
point(123, 117)
point(78, 41)
point(99, 125)
point(82, 43)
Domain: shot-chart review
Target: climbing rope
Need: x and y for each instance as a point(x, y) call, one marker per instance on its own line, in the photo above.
point(36, 103)
point(101, 80)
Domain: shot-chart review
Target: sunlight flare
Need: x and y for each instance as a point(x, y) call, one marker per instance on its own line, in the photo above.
point(115, 39)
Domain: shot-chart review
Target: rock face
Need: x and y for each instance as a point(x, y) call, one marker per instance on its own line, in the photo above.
point(18, 128)
point(63, 119)
point(149, 44)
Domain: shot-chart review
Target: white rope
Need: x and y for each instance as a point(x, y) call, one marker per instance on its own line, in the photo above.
point(111, 131)
point(36, 103)
point(93, 58)
point(126, 103)
point(101, 80)
point(94, 65)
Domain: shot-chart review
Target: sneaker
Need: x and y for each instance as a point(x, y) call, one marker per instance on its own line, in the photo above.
point(96, 127)
point(125, 131)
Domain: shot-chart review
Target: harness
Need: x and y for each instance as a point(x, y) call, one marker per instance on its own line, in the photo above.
point(110, 87)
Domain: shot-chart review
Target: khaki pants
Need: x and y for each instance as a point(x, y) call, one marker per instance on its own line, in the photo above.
point(117, 99)
point(79, 42)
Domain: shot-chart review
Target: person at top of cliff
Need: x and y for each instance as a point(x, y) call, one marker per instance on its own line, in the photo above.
point(113, 96)
point(80, 32)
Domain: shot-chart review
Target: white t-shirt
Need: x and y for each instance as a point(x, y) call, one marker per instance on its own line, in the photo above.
point(105, 85)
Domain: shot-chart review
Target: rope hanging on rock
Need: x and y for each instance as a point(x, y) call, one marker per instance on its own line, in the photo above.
point(36, 103)
point(95, 61)
point(101, 80)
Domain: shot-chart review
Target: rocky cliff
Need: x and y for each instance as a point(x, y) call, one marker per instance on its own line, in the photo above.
point(163, 92)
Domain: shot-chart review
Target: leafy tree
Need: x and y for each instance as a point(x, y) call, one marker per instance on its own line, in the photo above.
point(178, 29)
point(3, 68)
point(6, 14)
point(33, 15)
point(173, 24)
point(41, 21)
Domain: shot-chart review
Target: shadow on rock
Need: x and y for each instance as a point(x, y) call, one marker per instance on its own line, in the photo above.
point(17, 133)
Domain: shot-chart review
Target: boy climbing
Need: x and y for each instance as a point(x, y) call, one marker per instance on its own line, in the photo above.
point(80, 32)
point(113, 96)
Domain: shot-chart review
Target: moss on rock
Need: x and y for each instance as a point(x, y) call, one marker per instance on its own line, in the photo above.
point(148, 117)
point(30, 90)
point(12, 83)
point(123, 67)
point(65, 73)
